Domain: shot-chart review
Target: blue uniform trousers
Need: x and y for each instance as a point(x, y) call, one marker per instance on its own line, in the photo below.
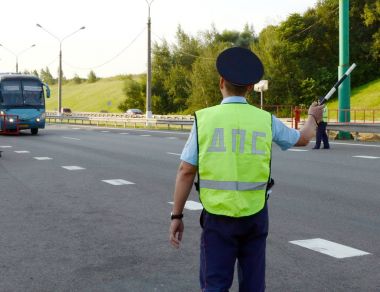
point(225, 240)
point(321, 136)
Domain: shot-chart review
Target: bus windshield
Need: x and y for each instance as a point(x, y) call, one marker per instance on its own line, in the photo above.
point(21, 93)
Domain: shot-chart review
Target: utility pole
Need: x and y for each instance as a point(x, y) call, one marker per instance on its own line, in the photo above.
point(344, 63)
point(17, 54)
point(60, 75)
point(149, 71)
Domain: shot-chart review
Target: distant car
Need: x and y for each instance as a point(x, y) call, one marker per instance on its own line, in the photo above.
point(134, 112)
point(66, 111)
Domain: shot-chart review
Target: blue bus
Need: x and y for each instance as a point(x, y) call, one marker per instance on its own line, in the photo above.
point(22, 103)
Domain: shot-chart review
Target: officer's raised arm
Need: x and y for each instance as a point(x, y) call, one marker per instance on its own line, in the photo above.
point(308, 130)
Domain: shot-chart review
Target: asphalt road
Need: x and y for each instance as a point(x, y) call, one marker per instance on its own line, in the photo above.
point(63, 227)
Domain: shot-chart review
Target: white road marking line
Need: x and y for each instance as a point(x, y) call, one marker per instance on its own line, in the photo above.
point(191, 205)
point(105, 131)
point(42, 158)
point(5, 146)
point(72, 167)
point(22, 151)
point(330, 248)
point(71, 138)
point(146, 135)
point(118, 182)
point(124, 133)
point(172, 138)
point(297, 150)
point(353, 144)
point(171, 153)
point(162, 132)
point(367, 157)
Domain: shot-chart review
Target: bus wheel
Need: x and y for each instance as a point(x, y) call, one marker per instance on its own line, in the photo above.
point(34, 131)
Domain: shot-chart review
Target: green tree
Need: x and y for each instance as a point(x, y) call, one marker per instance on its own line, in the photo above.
point(371, 16)
point(205, 80)
point(162, 62)
point(134, 98)
point(91, 77)
point(77, 79)
point(46, 76)
point(300, 57)
point(178, 86)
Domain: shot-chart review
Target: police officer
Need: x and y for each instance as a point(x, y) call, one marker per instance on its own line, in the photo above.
point(230, 148)
point(321, 134)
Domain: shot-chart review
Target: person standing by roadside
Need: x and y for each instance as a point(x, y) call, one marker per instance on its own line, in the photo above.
point(230, 148)
point(321, 134)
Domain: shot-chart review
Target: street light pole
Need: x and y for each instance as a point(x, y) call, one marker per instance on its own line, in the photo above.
point(60, 62)
point(149, 71)
point(17, 54)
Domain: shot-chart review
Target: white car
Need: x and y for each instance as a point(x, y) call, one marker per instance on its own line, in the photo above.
point(134, 112)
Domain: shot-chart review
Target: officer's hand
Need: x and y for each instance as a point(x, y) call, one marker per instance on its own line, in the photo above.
point(175, 232)
point(316, 111)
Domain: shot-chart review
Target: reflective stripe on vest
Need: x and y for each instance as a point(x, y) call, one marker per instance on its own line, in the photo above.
point(234, 149)
point(233, 185)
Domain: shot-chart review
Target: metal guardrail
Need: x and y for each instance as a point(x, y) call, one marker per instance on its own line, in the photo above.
point(354, 127)
point(120, 121)
point(121, 115)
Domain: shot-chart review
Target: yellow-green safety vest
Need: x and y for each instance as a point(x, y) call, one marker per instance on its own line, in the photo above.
point(325, 114)
point(234, 157)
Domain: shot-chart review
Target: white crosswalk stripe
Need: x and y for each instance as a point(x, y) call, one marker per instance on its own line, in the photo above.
point(191, 205)
point(117, 182)
point(330, 248)
point(42, 158)
point(73, 167)
point(366, 157)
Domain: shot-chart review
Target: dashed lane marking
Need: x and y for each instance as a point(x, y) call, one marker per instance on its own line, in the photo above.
point(105, 131)
point(118, 182)
point(172, 138)
point(22, 151)
point(124, 133)
point(191, 205)
point(158, 131)
point(297, 150)
point(366, 157)
point(171, 153)
point(330, 248)
point(353, 144)
point(5, 146)
point(145, 135)
point(42, 158)
point(70, 138)
point(73, 167)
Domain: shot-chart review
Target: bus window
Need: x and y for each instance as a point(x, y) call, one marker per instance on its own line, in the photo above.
point(33, 93)
point(11, 93)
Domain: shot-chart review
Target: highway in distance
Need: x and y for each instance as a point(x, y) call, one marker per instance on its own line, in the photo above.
point(87, 209)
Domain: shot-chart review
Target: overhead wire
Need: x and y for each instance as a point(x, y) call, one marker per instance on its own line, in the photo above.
point(112, 58)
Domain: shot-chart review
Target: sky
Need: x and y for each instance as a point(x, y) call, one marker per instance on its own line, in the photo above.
point(115, 38)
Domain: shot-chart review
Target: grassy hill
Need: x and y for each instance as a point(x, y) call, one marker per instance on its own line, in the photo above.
point(105, 94)
point(364, 97)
